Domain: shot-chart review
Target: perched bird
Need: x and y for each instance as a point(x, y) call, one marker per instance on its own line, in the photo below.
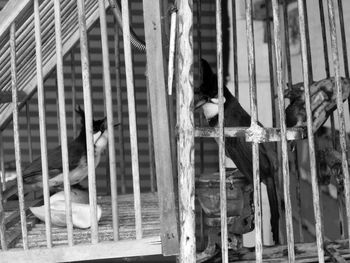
point(237, 149)
point(323, 98)
point(77, 156)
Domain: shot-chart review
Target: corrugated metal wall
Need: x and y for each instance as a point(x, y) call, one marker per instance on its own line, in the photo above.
point(208, 44)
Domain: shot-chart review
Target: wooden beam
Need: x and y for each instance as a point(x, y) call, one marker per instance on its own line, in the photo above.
point(160, 125)
point(120, 249)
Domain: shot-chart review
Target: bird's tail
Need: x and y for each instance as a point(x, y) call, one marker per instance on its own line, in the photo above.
point(10, 191)
point(273, 201)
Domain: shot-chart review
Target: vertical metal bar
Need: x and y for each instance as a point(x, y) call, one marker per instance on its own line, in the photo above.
point(74, 93)
point(119, 106)
point(2, 162)
point(343, 38)
point(17, 142)
point(185, 121)
point(341, 119)
point(85, 66)
point(2, 210)
point(312, 153)
point(132, 117)
point(235, 52)
point(63, 121)
point(284, 144)
point(221, 139)
point(42, 122)
point(29, 133)
point(109, 111)
point(271, 68)
point(290, 84)
point(254, 121)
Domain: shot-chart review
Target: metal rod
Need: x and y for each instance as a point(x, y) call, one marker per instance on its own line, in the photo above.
point(74, 93)
point(85, 65)
point(119, 107)
point(185, 140)
point(110, 124)
point(254, 121)
point(42, 122)
point(132, 117)
point(312, 154)
point(221, 139)
point(63, 121)
point(16, 137)
point(284, 144)
point(341, 118)
point(295, 152)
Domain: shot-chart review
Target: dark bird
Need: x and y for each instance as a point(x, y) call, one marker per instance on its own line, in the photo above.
point(237, 149)
point(323, 98)
point(77, 156)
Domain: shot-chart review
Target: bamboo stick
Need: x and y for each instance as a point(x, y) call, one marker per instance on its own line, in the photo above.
point(284, 144)
point(17, 142)
point(235, 52)
point(221, 139)
point(326, 62)
point(63, 122)
point(74, 93)
point(312, 154)
point(42, 122)
point(2, 163)
point(88, 118)
point(2, 210)
point(29, 133)
point(109, 111)
point(341, 119)
point(185, 123)
point(119, 107)
point(132, 117)
point(150, 141)
point(295, 152)
point(271, 63)
point(254, 120)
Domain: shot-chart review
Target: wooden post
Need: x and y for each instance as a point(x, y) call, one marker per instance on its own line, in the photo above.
point(85, 66)
point(63, 122)
point(160, 126)
point(312, 154)
point(42, 122)
point(132, 117)
point(185, 117)
point(284, 145)
point(341, 118)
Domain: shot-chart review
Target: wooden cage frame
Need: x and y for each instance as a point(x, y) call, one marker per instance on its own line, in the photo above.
point(88, 12)
point(169, 242)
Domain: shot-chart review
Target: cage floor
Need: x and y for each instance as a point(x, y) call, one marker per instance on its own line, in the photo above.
point(126, 213)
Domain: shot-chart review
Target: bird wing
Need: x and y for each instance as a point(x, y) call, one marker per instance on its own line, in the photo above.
point(33, 172)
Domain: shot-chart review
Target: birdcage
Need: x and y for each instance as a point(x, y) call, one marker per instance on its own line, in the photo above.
point(159, 191)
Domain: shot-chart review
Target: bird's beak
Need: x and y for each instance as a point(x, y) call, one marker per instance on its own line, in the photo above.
point(200, 101)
